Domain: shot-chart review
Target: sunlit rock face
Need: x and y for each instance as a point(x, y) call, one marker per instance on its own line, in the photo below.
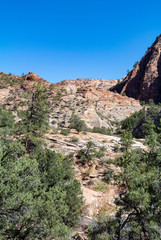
point(90, 99)
point(144, 81)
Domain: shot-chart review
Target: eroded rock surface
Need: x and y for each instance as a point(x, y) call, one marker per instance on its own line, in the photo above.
point(93, 102)
point(88, 98)
point(144, 81)
point(98, 195)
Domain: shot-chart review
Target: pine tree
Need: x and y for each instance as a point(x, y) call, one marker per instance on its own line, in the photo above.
point(40, 197)
point(126, 141)
point(6, 122)
point(139, 207)
point(34, 120)
point(77, 123)
point(28, 209)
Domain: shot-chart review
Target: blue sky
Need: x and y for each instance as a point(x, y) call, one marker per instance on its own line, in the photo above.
point(63, 39)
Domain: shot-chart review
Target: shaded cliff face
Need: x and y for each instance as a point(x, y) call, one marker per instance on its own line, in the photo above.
point(144, 81)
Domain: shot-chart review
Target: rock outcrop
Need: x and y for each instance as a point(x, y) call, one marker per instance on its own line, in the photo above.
point(98, 198)
point(93, 102)
point(90, 99)
point(144, 81)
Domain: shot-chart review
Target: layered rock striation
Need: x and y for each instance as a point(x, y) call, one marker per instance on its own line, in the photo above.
point(90, 99)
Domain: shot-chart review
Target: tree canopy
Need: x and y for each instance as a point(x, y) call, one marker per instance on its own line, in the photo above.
point(40, 197)
point(139, 208)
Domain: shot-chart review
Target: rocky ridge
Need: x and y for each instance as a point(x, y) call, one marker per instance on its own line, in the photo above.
point(144, 81)
point(90, 99)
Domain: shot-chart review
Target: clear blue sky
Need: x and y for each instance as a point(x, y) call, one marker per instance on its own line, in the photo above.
point(67, 39)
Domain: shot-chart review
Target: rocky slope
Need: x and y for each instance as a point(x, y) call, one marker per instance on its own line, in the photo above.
point(98, 195)
point(92, 100)
point(97, 106)
point(88, 98)
point(144, 81)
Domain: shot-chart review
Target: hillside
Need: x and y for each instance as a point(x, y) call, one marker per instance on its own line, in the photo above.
point(98, 107)
point(38, 125)
point(88, 98)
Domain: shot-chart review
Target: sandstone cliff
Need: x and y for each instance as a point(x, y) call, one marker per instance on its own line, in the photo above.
point(88, 98)
point(144, 81)
point(93, 102)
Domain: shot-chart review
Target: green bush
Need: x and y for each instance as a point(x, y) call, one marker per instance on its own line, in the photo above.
point(131, 122)
point(65, 131)
point(142, 103)
point(151, 102)
point(109, 173)
point(137, 215)
point(74, 140)
point(53, 122)
point(89, 153)
point(116, 148)
point(126, 141)
point(101, 153)
point(138, 121)
point(6, 122)
point(77, 123)
point(102, 130)
point(40, 197)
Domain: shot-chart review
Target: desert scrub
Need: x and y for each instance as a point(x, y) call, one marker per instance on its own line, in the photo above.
point(109, 174)
point(101, 186)
point(102, 130)
point(74, 139)
point(90, 153)
point(88, 171)
point(116, 148)
point(75, 122)
point(65, 131)
point(53, 122)
point(78, 104)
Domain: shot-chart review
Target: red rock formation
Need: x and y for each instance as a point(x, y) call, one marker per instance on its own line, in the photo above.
point(31, 76)
point(144, 81)
point(88, 98)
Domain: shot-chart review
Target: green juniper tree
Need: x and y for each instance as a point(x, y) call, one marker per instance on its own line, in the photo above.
point(90, 153)
point(29, 208)
point(34, 120)
point(148, 127)
point(139, 208)
point(77, 123)
point(126, 141)
point(6, 122)
point(40, 197)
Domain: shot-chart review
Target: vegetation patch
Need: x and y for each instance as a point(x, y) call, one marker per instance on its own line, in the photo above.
point(102, 130)
point(77, 123)
point(90, 153)
point(40, 197)
point(65, 131)
point(101, 186)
